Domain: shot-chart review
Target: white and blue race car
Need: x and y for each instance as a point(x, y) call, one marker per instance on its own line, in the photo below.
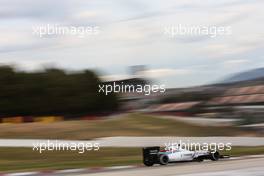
point(153, 155)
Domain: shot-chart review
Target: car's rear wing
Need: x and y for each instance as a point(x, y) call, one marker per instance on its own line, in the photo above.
point(151, 155)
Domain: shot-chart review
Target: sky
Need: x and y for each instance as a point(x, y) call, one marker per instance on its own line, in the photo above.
point(132, 32)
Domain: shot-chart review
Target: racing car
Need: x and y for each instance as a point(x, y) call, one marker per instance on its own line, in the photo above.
point(153, 155)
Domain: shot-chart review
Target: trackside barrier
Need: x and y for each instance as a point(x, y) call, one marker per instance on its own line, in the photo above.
point(17, 119)
point(48, 119)
point(28, 119)
point(91, 117)
point(44, 119)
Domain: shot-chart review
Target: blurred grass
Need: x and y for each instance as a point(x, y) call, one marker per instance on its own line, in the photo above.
point(24, 159)
point(239, 151)
point(129, 125)
point(21, 159)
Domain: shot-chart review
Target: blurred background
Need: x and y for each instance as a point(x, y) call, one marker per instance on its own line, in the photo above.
point(49, 85)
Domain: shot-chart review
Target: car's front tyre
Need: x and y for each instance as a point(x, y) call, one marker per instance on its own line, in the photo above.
point(215, 156)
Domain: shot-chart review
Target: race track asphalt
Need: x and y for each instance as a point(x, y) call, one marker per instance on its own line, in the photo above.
point(239, 167)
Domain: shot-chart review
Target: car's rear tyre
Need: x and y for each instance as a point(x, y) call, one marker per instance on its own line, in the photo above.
point(148, 162)
point(163, 159)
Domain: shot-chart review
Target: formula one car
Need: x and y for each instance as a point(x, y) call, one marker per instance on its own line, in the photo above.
point(153, 155)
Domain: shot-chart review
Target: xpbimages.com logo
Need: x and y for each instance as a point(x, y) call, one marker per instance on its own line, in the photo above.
point(125, 88)
point(60, 30)
point(196, 146)
point(80, 147)
point(197, 30)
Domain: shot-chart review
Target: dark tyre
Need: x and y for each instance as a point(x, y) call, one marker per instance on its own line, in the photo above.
point(164, 159)
point(215, 156)
point(148, 162)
